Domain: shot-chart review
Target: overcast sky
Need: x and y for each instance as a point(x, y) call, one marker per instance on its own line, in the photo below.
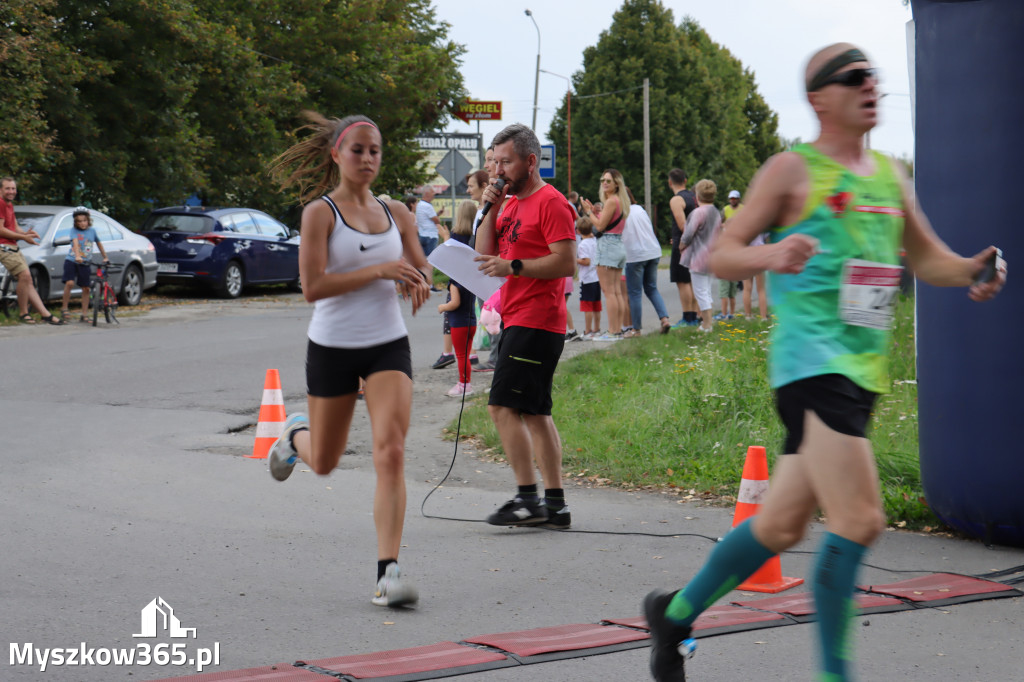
point(773, 38)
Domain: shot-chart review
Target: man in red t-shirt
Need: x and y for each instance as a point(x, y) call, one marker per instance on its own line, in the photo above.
point(13, 261)
point(533, 244)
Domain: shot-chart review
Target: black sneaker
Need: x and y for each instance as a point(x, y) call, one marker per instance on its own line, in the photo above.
point(667, 664)
point(486, 366)
point(571, 335)
point(559, 519)
point(443, 361)
point(519, 512)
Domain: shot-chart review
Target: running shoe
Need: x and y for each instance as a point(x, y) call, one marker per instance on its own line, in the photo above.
point(282, 456)
point(608, 336)
point(666, 663)
point(559, 519)
point(443, 361)
point(632, 334)
point(487, 366)
point(680, 324)
point(519, 512)
point(474, 360)
point(571, 335)
point(394, 590)
point(719, 316)
point(460, 389)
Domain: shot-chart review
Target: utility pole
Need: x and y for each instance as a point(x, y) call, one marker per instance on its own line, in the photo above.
point(647, 145)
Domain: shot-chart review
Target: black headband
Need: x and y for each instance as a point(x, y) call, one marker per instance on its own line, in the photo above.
point(836, 63)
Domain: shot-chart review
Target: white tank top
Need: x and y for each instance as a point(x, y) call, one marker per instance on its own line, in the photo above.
point(369, 316)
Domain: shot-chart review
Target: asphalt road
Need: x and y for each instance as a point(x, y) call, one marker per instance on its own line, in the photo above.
point(125, 480)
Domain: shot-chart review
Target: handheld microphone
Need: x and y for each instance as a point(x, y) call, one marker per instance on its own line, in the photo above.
point(498, 185)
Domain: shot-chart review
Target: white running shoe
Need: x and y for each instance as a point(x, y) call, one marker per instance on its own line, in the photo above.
point(459, 389)
point(282, 456)
point(394, 590)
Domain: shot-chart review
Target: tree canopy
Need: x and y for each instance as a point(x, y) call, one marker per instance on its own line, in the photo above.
point(130, 104)
point(706, 115)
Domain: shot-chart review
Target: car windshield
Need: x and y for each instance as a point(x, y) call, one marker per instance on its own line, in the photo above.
point(170, 222)
point(33, 221)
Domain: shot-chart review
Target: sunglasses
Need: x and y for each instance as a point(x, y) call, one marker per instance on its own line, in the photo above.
point(854, 78)
point(608, 180)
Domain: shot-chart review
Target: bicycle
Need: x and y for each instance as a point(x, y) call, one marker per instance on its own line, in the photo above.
point(8, 293)
point(102, 294)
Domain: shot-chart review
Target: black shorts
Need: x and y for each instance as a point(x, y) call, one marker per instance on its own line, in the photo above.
point(677, 273)
point(332, 372)
point(590, 291)
point(76, 272)
point(842, 405)
point(527, 359)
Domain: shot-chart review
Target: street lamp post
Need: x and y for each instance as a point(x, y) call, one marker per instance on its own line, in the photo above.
point(536, 78)
point(568, 123)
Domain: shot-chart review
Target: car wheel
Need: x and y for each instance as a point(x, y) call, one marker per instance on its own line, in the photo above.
point(41, 282)
point(131, 286)
point(231, 281)
point(8, 295)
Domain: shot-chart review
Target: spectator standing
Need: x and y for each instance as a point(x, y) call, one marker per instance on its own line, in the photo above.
point(355, 250)
point(590, 288)
point(643, 252)
point(78, 263)
point(533, 245)
point(460, 308)
point(702, 227)
point(682, 205)
point(762, 292)
point(13, 261)
point(609, 223)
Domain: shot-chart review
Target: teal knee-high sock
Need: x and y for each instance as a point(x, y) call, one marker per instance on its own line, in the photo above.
point(834, 576)
point(732, 561)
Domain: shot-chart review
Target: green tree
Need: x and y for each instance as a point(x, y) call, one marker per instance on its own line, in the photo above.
point(706, 115)
point(127, 104)
point(29, 52)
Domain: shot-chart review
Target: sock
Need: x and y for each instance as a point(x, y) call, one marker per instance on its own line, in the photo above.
point(732, 561)
point(834, 576)
point(528, 493)
point(690, 316)
point(382, 565)
point(554, 498)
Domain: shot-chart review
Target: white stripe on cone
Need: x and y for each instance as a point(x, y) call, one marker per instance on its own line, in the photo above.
point(273, 396)
point(269, 429)
point(752, 492)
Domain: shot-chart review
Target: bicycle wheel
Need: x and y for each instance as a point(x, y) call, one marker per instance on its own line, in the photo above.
point(8, 297)
point(110, 309)
point(97, 301)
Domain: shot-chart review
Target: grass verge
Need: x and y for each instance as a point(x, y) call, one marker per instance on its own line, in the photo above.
point(678, 412)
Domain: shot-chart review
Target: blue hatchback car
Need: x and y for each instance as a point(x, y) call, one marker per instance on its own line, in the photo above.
point(227, 248)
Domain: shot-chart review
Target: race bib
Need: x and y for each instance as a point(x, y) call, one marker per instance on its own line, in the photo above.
point(867, 293)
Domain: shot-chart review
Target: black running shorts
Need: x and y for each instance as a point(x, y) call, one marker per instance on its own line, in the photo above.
point(526, 368)
point(842, 405)
point(333, 372)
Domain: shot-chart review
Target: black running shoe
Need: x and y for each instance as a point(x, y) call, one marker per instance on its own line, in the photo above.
point(559, 519)
point(667, 664)
point(443, 361)
point(519, 512)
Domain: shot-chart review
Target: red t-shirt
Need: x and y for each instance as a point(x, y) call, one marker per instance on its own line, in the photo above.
point(525, 229)
point(7, 214)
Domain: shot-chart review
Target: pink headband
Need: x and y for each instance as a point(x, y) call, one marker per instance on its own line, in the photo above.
point(344, 132)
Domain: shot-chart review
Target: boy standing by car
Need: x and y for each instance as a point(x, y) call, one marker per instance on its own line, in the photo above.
point(76, 265)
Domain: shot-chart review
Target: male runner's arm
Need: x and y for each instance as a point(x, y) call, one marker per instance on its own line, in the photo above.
point(934, 262)
point(775, 197)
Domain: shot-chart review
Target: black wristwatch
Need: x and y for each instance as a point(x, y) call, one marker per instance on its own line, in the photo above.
point(517, 265)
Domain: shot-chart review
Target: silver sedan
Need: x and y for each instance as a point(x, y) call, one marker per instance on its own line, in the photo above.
point(53, 224)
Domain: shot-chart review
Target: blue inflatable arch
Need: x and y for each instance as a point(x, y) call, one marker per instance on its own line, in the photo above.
point(969, 172)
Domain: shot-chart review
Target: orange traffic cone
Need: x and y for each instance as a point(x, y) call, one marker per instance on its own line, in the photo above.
point(753, 488)
point(271, 420)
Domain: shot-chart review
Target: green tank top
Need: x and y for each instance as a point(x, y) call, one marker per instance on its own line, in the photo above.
point(853, 217)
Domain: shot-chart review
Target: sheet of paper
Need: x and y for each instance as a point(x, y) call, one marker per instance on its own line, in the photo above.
point(455, 259)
